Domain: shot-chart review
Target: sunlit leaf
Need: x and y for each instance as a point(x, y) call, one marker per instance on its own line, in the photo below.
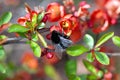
point(42, 40)
point(71, 67)
point(102, 58)
point(5, 18)
point(90, 57)
point(76, 50)
point(90, 67)
point(104, 38)
point(40, 16)
point(36, 48)
point(116, 41)
point(34, 20)
point(17, 28)
point(2, 37)
point(89, 41)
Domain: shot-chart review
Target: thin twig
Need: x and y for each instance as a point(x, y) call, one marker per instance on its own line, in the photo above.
point(113, 54)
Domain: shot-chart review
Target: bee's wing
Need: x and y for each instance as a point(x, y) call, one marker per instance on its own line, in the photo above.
point(60, 48)
point(65, 42)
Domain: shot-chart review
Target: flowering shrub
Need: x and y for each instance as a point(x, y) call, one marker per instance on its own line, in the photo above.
point(71, 24)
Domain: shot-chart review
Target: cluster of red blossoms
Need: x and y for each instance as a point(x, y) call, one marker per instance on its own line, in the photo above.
point(73, 21)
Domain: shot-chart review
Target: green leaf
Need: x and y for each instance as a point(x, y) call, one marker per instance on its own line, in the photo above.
point(2, 53)
point(100, 74)
point(42, 40)
point(2, 37)
point(116, 41)
point(51, 72)
point(17, 28)
point(29, 24)
point(2, 68)
point(41, 25)
point(36, 48)
point(40, 16)
point(89, 41)
point(91, 77)
point(104, 38)
point(83, 76)
point(34, 37)
point(34, 20)
point(76, 50)
point(90, 57)
point(71, 67)
point(102, 58)
point(74, 77)
point(90, 67)
point(5, 18)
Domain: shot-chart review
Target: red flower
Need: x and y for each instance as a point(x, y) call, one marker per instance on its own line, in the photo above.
point(70, 25)
point(56, 11)
point(100, 21)
point(83, 9)
point(112, 7)
point(28, 17)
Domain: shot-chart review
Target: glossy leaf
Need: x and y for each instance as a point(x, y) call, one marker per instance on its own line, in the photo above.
point(102, 58)
point(71, 67)
point(40, 16)
point(116, 41)
point(34, 20)
point(5, 18)
point(17, 28)
point(2, 53)
point(42, 40)
point(76, 50)
point(104, 38)
point(41, 25)
point(36, 49)
point(89, 41)
point(90, 67)
point(90, 57)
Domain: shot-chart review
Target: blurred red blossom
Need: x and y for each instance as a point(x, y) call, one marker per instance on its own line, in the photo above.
point(100, 21)
point(29, 60)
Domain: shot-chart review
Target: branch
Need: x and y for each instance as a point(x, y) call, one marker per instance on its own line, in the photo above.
point(14, 41)
point(113, 54)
